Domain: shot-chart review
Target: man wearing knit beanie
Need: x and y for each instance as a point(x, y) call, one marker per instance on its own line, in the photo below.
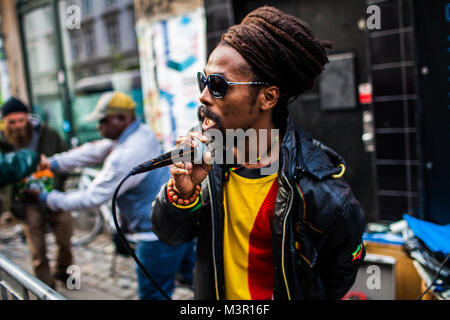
point(293, 234)
point(23, 132)
point(17, 131)
point(13, 105)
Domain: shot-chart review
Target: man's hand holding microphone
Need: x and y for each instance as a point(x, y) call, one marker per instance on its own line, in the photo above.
point(187, 176)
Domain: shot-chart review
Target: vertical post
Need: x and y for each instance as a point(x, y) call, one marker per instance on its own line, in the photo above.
point(62, 75)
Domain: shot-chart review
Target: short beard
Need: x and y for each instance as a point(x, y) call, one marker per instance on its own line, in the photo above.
point(19, 138)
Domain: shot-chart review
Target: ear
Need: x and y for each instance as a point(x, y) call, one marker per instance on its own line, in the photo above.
point(269, 97)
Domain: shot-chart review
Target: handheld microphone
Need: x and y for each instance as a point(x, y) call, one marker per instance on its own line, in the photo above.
point(183, 153)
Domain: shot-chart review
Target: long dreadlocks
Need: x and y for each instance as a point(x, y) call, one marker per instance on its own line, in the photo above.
point(281, 50)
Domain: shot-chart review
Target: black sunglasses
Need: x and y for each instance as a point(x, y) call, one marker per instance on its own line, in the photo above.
point(218, 85)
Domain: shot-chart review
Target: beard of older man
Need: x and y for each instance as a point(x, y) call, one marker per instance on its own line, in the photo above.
point(19, 137)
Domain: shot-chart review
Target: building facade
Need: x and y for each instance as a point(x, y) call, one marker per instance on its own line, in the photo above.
point(73, 51)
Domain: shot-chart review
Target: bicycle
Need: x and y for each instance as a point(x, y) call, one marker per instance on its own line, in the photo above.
point(88, 224)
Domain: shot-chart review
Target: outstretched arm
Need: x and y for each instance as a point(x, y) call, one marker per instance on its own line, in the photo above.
point(89, 154)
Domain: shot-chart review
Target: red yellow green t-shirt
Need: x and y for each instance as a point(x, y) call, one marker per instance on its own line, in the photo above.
point(247, 242)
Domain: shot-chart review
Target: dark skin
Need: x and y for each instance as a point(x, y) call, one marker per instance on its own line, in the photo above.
point(110, 127)
point(243, 107)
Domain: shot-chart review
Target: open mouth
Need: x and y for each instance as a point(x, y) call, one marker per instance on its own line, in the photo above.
point(209, 119)
point(208, 124)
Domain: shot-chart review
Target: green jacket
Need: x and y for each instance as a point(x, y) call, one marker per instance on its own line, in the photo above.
point(49, 143)
point(15, 166)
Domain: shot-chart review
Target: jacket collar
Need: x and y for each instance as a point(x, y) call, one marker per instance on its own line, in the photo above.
point(128, 131)
point(302, 154)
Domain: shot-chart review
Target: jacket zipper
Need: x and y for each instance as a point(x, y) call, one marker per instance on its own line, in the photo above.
point(213, 240)
point(283, 239)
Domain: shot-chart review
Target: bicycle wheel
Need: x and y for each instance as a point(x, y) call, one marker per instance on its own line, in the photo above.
point(86, 226)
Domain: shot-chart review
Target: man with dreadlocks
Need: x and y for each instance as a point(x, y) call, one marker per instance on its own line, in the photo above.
point(293, 234)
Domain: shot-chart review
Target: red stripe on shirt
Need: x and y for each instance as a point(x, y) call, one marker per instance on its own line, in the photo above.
point(260, 257)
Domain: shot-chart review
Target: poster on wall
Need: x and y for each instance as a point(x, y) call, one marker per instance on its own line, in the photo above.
point(172, 51)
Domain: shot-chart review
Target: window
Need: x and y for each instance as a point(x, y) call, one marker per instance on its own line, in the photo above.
point(89, 40)
point(87, 6)
point(75, 44)
point(40, 49)
point(113, 33)
point(110, 2)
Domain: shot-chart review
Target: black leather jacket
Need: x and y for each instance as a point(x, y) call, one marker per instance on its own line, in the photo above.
point(312, 208)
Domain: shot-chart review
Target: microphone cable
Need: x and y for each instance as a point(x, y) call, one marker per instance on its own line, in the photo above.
point(125, 241)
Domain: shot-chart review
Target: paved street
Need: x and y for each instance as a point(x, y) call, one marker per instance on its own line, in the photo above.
point(104, 276)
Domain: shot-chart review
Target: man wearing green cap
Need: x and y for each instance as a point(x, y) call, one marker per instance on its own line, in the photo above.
point(127, 143)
